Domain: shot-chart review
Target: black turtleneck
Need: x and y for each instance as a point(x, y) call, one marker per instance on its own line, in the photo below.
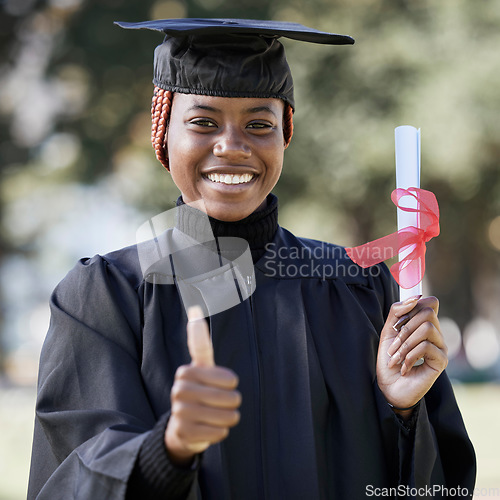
point(258, 229)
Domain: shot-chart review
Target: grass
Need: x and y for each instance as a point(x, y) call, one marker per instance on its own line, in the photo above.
point(480, 405)
point(16, 422)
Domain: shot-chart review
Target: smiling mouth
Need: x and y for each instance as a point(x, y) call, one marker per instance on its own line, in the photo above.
point(230, 178)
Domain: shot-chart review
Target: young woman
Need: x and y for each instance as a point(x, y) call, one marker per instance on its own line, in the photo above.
point(313, 392)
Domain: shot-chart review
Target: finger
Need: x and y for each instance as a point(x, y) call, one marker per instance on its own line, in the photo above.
point(411, 324)
point(198, 437)
point(198, 447)
point(195, 438)
point(411, 306)
point(198, 338)
point(203, 415)
point(398, 310)
point(185, 390)
point(425, 303)
point(215, 376)
point(435, 358)
point(425, 332)
point(401, 308)
point(400, 322)
point(431, 302)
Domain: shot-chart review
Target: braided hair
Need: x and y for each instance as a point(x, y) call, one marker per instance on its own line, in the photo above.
point(160, 115)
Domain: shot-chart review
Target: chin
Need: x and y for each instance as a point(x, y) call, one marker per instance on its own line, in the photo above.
point(229, 217)
point(230, 214)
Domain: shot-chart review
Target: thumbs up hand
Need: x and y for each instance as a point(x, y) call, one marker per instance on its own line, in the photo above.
point(204, 398)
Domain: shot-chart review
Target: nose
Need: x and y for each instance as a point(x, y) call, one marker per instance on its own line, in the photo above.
point(232, 144)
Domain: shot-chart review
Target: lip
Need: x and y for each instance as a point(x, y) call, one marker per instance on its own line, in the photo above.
point(238, 170)
point(221, 186)
point(230, 169)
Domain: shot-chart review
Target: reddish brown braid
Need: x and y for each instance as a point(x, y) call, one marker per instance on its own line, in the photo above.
point(288, 124)
point(160, 115)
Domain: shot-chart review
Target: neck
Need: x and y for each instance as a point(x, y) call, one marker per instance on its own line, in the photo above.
point(258, 229)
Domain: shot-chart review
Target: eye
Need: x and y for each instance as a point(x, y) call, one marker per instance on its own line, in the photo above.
point(203, 122)
point(260, 125)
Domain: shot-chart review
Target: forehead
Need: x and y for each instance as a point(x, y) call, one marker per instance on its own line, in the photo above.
point(192, 102)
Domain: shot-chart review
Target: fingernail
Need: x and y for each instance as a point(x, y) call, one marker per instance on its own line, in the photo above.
point(412, 299)
point(394, 346)
point(400, 322)
point(395, 360)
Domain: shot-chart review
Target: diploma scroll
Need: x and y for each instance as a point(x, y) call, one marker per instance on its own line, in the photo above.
point(408, 175)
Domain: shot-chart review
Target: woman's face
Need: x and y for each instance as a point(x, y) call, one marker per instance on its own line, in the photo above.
point(225, 151)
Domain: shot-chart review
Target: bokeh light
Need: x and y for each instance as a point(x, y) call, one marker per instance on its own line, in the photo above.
point(482, 344)
point(17, 7)
point(452, 336)
point(494, 233)
point(60, 151)
point(169, 9)
point(65, 4)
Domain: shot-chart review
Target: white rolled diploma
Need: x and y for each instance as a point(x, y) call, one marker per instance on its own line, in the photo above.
point(407, 175)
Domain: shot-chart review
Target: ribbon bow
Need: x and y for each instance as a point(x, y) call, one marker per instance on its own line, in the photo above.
point(409, 270)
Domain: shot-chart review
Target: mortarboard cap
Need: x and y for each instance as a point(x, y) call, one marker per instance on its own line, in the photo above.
point(228, 57)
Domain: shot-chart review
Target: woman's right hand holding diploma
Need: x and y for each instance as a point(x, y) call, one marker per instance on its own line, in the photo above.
point(411, 332)
point(204, 398)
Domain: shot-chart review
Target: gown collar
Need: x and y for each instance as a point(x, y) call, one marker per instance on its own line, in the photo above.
point(258, 229)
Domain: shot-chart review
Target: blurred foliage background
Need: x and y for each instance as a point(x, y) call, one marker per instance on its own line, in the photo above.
point(78, 175)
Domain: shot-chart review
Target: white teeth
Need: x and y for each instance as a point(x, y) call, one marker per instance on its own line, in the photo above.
point(231, 178)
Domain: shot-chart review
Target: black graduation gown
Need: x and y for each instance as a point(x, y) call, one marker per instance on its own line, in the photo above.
point(313, 422)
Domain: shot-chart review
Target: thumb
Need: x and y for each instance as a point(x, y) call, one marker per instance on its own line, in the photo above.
point(198, 338)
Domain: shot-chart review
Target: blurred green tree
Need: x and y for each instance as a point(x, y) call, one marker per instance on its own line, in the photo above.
point(427, 64)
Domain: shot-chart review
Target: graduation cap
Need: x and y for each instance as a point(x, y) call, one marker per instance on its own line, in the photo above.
point(228, 57)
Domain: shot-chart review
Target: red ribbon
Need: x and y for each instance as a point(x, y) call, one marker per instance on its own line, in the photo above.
point(410, 270)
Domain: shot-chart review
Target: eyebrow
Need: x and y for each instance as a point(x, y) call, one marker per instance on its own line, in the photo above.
point(202, 107)
point(256, 109)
